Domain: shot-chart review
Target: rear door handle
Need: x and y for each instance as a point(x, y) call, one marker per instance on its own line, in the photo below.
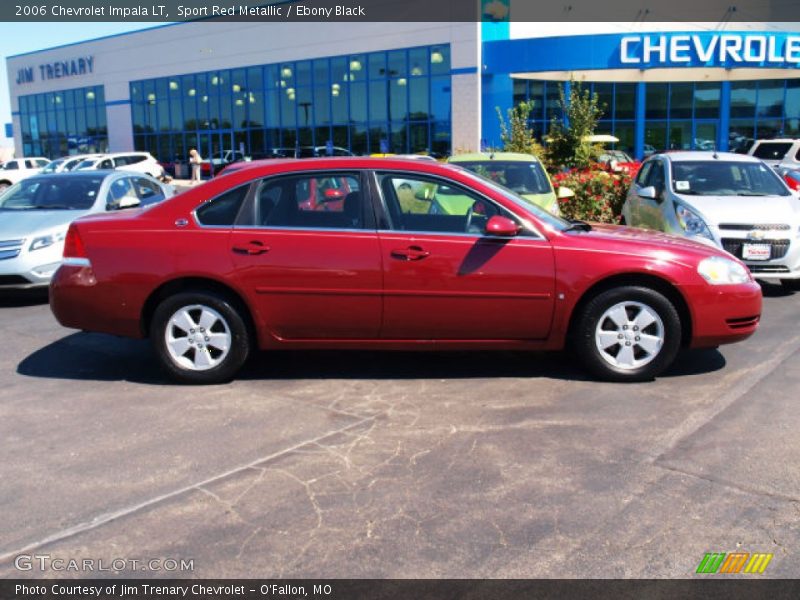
point(252, 248)
point(410, 253)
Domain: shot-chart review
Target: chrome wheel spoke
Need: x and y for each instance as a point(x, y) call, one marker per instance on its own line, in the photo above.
point(207, 319)
point(183, 321)
point(625, 356)
point(179, 346)
point(220, 341)
point(644, 319)
point(202, 359)
point(649, 343)
point(618, 315)
point(606, 339)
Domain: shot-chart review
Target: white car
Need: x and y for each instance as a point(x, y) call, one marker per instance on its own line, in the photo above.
point(67, 163)
point(17, 169)
point(732, 201)
point(141, 162)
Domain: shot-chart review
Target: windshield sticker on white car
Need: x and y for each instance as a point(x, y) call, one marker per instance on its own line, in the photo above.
point(682, 186)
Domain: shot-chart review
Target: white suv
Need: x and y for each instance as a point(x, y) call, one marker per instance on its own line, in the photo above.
point(783, 152)
point(17, 169)
point(141, 162)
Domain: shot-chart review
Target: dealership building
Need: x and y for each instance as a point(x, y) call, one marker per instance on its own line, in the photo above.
point(402, 87)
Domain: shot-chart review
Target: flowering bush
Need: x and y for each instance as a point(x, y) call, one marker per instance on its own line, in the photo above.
point(599, 194)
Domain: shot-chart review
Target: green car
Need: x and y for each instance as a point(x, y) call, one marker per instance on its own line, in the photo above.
point(523, 174)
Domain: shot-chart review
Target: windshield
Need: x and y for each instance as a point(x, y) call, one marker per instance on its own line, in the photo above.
point(51, 168)
point(52, 193)
point(520, 177)
point(543, 215)
point(721, 178)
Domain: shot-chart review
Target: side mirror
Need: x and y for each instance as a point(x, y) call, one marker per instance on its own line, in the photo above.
point(648, 192)
point(502, 226)
point(565, 192)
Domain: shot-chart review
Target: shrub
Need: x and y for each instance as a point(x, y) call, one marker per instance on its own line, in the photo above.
point(599, 194)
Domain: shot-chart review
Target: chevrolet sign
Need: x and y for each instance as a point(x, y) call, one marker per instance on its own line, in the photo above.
point(717, 49)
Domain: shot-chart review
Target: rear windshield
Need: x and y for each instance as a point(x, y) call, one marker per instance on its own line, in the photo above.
point(772, 150)
point(520, 177)
point(52, 193)
point(721, 178)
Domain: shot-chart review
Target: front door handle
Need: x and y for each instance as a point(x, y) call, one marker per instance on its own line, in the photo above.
point(410, 253)
point(251, 248)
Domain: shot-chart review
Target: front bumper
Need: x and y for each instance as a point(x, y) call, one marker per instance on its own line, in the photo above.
point(723, 314)
point(28, 269)
point(784, 261)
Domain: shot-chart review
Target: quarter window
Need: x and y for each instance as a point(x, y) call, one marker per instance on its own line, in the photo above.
point(432, 205)
point(222, 210)
point(321, 201)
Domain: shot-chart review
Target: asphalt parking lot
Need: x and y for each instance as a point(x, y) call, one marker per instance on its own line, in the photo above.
point(397, 465)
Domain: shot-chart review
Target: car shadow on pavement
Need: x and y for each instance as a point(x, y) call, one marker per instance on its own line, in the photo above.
point(100, 357)
point(19, 298)
point(770, 289)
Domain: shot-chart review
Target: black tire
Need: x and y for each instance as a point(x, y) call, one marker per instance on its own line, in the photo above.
point(228, 321)
point(588, 329)
point(791, 285)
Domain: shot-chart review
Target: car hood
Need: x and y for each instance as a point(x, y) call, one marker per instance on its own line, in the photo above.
point(745, 209)
point(16, 224)
point(620, 238)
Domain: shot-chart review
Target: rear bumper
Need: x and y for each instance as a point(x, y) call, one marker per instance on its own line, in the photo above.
point(724, 314)
point(78, 302)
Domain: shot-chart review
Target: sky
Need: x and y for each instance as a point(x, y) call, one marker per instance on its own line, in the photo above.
point(16, 38)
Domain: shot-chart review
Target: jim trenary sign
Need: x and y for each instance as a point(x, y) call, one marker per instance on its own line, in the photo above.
point(58, 69)
point(715, 49)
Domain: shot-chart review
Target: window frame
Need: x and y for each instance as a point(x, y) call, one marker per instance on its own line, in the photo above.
point(528, 230)
point(246, 219)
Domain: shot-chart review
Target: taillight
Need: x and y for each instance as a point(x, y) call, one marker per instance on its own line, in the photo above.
point(74, 249)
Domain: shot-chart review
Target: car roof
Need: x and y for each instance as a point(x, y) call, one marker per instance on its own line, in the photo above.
point(113, 154)
point(490, 156)
point(690, 155)
point(87, 174)
point(346, 162)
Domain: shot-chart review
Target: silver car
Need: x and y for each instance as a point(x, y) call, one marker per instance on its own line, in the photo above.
point(36, 212)
point(732, 201)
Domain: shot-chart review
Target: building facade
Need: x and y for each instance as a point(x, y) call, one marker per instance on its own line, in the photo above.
point(402, 87)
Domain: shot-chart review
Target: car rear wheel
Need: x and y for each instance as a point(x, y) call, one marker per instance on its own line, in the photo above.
point(200, 337)
point(628, 333)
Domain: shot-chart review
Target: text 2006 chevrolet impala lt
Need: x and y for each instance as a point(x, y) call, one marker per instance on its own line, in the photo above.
point(357, 253)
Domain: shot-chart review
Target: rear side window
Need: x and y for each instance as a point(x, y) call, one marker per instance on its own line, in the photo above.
point(320, 201)
point(772, 150)
point(132, 159)
point(222, 210)
point(149, 191)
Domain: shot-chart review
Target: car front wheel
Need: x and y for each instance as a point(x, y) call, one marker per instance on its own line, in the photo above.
point(628, 333)
point(200, 337)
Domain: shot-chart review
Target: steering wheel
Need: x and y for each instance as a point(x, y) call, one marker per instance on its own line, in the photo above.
point(470, 214)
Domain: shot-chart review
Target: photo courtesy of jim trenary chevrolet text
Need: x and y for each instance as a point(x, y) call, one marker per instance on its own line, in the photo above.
point(365, 299)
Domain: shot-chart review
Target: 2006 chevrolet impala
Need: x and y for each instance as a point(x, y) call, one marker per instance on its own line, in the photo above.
point(358, 253)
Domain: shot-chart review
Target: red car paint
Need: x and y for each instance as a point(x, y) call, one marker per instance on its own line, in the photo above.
point(370, 288)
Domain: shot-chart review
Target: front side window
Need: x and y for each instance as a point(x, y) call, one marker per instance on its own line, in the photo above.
point(319, 201)
point(418, 203)
point(722, 178)
point(106, 164)
point(644, 173)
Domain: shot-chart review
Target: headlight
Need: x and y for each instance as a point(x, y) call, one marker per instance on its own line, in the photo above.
point(46, 240)
point(718, 270)
point(692, 223)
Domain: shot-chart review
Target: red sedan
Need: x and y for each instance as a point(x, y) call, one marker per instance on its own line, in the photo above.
point(244, 262)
